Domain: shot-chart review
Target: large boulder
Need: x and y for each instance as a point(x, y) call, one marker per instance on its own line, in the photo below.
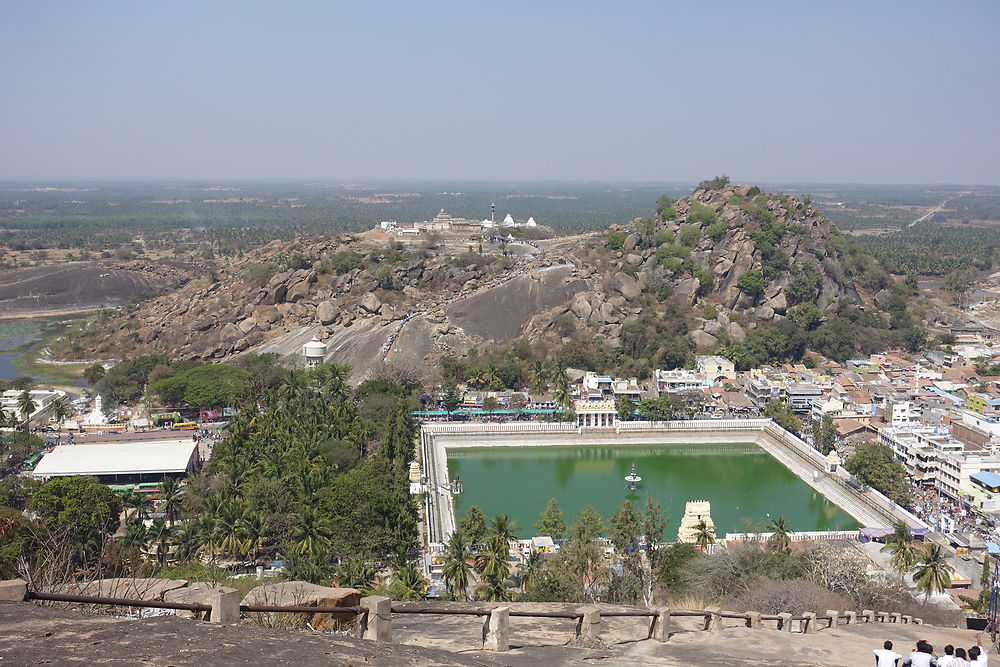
point(736, 332)
point(581, 307)
point(371, 303)
point(627, 286)
point(703, 339)
point(304, 594)
point(685, 292)
point(326, 313)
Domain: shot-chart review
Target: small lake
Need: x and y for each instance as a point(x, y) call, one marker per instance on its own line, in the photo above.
point(743, 483)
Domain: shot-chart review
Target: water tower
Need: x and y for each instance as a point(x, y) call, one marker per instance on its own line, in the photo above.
point(314, 353)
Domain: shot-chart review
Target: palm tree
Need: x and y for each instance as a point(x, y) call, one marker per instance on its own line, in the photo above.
point(704, 535)
point(160, 535)
point(933, 574)
point(60, 410)
point(187, 541)
point(140, 504)
point(900, 544)
point(475, 377)
point(539, 377)
point(531, 571)
point(779, 540)
point(172, 494)
point(311, 535)
point(26, 405)
point(414, 585)
point(355, 573)
point(457, 569)
point(230, 529)
point(255, 527)
point(135, 537)
point(503, 528)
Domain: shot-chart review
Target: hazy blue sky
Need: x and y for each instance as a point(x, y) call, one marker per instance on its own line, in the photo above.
point(879, 92)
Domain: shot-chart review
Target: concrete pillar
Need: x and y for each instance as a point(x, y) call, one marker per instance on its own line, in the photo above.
point(786, 622)
point(906, 618)
point(13, 590)
point(713, 621)
point(868, 615)
point(882, 616)
point(897, 617)
point(661, 625)
point(753, 619)
point(834, 617)
point(809, 624)
point(851, 617)
point(590, 624)
point(497, 630)
point(918, 621)
point(225, 603)
point(377, 622)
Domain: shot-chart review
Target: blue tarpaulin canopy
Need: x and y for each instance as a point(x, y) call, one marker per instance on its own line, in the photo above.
point(992, 549)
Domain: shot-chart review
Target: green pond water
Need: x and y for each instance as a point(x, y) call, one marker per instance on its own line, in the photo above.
point(743, 483)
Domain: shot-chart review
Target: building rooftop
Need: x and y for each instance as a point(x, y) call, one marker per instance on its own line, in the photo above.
point(986, 477)
point(132, 458)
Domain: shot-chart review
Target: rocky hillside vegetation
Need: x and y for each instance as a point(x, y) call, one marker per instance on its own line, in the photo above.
point(757, 276)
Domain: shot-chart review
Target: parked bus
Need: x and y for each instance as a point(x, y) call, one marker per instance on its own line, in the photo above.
point(185, 426)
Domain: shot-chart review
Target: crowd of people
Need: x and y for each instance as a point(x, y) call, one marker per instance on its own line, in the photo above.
point(923, 655)
point(943, 514)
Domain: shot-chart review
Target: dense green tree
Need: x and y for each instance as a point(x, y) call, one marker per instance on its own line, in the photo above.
point(84, 508)
point(873, 464)
point(204, 387)
point(626, 409)
point(93, 373)
point(824, 434)
point(716, 183)
point(473, 524)
point(783, 416)
point(752, 282)
point(551, 521)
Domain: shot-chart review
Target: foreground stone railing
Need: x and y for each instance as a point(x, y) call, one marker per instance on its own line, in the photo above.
point(374, 614)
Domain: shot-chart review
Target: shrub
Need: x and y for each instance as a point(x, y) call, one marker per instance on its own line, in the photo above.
point(663, 236)
point(752, 282)
point(716, 183)
point(689, 235)
point(616, 240)
point(717, 230)
point(700, 214)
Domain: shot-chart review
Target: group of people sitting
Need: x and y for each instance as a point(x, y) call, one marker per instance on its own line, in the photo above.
point(924, 656)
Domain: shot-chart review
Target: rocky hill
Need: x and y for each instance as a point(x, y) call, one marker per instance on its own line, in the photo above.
point(751, 257)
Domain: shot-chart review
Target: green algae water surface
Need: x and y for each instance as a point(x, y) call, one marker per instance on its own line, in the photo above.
point(743, 483)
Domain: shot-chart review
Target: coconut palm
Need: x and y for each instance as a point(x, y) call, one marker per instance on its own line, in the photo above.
point(311, 535)
point(475, 377)
point(779, 540)
point(703, 535)
point(230, 529)
point(355, 573)
point(60, 410)
point(457, 569)
point(138, 506)
point(539, 377)
point(26, 405)
point(531, 571)
point(933, 574)
point(160, 536)
point(413, 584)
point(135, 537)
point(187, 541)
point(255, 528)
point(900, 544)
point(172, 495)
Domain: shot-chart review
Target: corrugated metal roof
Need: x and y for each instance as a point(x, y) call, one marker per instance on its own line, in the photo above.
point(127, 458)
point(986, 477)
